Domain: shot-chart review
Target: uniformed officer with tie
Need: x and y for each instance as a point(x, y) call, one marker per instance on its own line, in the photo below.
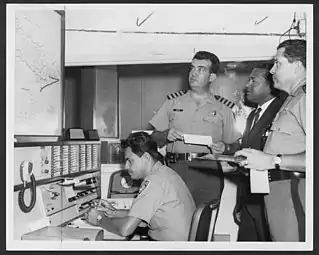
point(284, 153)
point(198, 112)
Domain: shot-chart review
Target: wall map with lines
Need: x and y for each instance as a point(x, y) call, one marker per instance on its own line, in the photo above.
point(38, 94)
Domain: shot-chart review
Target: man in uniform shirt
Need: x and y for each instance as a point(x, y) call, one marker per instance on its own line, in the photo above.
point(195, 112)
point(284, 153)
point(164, 202)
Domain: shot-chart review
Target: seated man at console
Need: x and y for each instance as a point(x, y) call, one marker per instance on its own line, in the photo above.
point(164, 202)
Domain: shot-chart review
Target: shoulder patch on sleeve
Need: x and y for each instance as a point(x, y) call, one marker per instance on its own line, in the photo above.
point(224, 101)
point(144, 186)
point(176, 94)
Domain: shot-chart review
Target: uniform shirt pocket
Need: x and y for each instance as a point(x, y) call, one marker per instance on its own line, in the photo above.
point(172, 116)
point(213, 118)
point(176, 120)
point(284, 124)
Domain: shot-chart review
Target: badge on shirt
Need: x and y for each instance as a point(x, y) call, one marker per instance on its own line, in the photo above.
point(213, 113)
point(177, 110)
point(144, 185)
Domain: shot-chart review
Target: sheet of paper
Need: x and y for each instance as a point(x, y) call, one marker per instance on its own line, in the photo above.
point(259, 182)
point(121, 203)
point(198, 139)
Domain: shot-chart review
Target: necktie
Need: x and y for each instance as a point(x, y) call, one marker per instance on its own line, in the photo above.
point(256, 116)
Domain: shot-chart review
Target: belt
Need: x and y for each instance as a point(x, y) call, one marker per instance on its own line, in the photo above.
point(174, 157)
point(276, 175)
point(280, 175)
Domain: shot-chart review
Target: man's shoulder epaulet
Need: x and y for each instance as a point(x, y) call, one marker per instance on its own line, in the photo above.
point(176, 94)
point(225, 101)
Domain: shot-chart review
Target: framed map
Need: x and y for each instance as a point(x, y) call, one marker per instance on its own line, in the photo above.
point(38, 73)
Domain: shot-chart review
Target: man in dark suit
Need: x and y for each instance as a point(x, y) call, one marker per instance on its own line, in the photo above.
point(260, 90)
point(249, 209)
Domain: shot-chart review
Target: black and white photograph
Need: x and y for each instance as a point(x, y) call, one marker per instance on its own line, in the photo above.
point(159, 127)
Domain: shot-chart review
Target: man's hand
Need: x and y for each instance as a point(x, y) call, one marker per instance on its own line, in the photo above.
point(106, 207)
point(217, 147)
point(91, 216)
point(255, 159)
point(174, 134)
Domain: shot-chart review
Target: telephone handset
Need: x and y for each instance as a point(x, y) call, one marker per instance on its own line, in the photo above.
point(26, 175)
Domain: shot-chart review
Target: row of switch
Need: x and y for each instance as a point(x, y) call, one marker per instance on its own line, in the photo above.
point(82, 194)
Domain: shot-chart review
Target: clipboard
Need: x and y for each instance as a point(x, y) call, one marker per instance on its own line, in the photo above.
point(221, 157)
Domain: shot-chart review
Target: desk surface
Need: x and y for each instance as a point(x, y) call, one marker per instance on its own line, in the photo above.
point(108, 236)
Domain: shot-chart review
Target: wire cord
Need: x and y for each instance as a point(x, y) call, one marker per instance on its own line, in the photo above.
point(24, 208)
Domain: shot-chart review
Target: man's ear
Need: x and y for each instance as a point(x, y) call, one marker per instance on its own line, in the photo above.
point(147, 156)
point(212, 77)
point(299, 67)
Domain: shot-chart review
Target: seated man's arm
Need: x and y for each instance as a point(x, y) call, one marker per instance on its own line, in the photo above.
point(123, 226)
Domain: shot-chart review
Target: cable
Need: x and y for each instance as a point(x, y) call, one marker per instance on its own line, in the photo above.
point(24, 208)
point(291, 28)
point(293, 22)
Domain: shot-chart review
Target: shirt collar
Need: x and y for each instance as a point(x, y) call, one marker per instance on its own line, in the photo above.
point(297, 86)
point(264, 106)
point(156, 166)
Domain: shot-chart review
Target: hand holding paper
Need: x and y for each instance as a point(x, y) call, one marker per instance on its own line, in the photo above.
point(174, 134)
point(217, 147)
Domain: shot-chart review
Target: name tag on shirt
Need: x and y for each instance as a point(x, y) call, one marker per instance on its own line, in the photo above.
point(177, 110)
point(259, 182)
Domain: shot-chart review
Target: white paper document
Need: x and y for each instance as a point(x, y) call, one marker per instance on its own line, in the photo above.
point(198, 139)
point(259, 182)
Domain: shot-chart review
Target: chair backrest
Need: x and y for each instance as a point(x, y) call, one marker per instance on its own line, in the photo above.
point(122, 186)
point(201, 227)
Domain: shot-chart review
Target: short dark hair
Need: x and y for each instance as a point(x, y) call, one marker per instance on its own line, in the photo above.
point(141, 142)
point(215, 63)
point(295, 50)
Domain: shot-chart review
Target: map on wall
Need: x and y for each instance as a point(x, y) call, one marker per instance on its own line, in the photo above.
point(38, 95)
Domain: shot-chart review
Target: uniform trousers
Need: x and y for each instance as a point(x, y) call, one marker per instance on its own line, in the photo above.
point(204, 181)
point(285, 208)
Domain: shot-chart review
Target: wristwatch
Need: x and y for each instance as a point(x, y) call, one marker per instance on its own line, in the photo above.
point(277, 161)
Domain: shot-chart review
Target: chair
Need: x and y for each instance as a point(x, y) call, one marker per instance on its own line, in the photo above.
point(201, 228)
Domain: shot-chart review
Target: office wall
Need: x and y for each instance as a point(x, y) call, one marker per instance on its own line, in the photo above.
point(143, 89)
point(140, 90)
point(113, 34)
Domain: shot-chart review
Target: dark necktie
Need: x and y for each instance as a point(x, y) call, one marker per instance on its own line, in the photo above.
point(256, 117)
